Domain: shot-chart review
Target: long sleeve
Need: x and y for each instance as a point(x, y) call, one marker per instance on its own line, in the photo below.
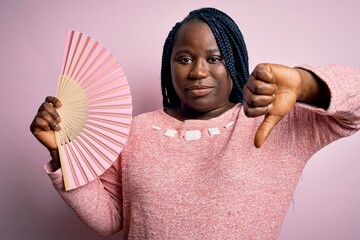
point(98, 203)
point(218, 186)
point(313, 128)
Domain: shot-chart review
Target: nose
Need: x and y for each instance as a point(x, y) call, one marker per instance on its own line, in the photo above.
point(199, 70)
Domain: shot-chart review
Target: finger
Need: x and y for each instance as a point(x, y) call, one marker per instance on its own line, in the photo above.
point(260, 87)
point(44, 121)
point(50, 109)
point(54, 101)
point(264, 73)
point(265, 128)
point(256, 111)
point(255, 100)
point(39, 124)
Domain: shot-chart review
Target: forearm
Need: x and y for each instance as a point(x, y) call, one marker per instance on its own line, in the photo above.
point(344, 85)
point(55, 160)
point(313, 90)
point(98, 203)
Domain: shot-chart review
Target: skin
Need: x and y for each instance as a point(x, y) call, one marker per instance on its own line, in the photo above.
point(272, 91)
point(202, 82)
point(199, 75)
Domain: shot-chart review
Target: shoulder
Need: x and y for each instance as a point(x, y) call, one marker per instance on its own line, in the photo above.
point(147, 116)
point(144, 120)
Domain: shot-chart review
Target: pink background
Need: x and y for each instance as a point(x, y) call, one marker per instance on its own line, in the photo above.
point(326, 203)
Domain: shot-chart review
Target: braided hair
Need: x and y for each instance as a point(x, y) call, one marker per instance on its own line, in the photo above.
point(232, 46)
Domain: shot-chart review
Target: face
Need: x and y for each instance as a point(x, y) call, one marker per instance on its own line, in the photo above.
point(198, 70)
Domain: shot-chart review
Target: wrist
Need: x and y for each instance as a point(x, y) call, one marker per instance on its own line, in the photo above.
point(307, 82)
point(55, 159)
point(313, 90)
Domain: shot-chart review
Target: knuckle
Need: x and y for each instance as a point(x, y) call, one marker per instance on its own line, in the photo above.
point(249, 112)
point(261, 67)
point(42, 114)
point(253, 101)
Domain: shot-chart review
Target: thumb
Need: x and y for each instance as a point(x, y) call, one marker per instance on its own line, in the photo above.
point(265, 128)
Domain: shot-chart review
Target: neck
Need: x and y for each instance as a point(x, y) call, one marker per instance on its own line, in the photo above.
point(183, 112)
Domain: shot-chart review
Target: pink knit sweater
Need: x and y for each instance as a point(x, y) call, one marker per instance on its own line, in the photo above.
point(204, 179)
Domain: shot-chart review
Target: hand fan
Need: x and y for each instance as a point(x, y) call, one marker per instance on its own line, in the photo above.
point(96, 110)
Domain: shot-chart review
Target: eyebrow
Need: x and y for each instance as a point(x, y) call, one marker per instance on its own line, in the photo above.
point(209, 51)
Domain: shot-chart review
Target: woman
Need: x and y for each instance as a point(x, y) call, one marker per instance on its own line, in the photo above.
point(190, 170)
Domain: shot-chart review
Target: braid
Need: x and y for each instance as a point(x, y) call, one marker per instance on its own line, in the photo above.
point(170, 98)
point(232, 46)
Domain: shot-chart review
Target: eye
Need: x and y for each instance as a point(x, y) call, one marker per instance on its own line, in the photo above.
point(215, 59)
point(184, 60)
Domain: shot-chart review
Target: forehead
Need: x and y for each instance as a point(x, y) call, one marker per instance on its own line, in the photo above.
point(195, 33)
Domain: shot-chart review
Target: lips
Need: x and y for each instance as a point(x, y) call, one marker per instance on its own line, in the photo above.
point(198, 90)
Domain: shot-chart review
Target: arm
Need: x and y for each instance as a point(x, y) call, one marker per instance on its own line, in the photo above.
point(99, 203)
point(273, 90)
point(313, 90)
point(45, 122)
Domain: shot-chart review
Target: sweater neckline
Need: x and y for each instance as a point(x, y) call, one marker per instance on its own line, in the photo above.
point(222, 117)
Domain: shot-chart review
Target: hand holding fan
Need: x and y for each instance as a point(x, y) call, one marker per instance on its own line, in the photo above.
point(96, 110)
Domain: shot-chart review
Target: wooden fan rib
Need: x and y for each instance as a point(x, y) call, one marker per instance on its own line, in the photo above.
point(103, 87)
point(71, 120)
point(96, 58)
point(66, 86)
point(84, 62)
point(77, 42)
point(72, 124)
point(62, 83)
point(79, 55)
point(100, 166)
point(73, 177)
point(69, 36)
point(115, 106)
point(111, 122)
point(68, 46)
point(106, 63)
point(106, 74)
point(76, 163)
point(73, 45)
point(72, 92)
point(94, 101)
point(108, 92)
point(103, 136)
point(67, 136)
point(117, 115)
point(115, 76)
point(110, 130)
point(64, 161)
point(88, 166)
point(115, 85)
point(73, 97)
point(95, 148)
point(89, 60)
point(73, 127)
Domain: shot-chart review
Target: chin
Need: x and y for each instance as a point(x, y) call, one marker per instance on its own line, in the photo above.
point(201, 106)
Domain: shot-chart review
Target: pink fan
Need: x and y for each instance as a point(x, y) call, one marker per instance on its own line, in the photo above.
point(96, 112)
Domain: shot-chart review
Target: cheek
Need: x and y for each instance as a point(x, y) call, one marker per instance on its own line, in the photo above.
point(227, 83)
point(175, 77)
point(178, 75)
